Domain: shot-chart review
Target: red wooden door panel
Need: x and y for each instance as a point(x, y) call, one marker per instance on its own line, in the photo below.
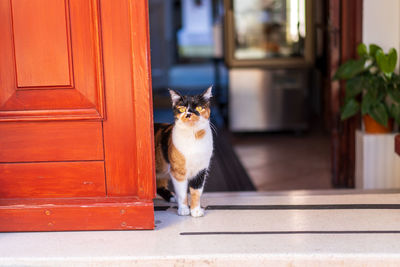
point(45, 180)
point(37, 36)
point(50, 141)
point(76, 147)
point(51, 65)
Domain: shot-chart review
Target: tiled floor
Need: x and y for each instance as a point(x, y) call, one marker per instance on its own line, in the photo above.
point(333, 228)
point(286, 161)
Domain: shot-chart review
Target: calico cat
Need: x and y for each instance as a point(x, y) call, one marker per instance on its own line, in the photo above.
point(183, 151)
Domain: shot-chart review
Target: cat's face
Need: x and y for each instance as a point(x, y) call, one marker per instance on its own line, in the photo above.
point(191, 110)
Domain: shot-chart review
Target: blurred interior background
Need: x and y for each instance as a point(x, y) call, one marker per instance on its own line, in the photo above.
point(268, 62)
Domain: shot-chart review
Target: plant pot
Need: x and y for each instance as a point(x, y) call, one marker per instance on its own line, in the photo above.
point(373, 127)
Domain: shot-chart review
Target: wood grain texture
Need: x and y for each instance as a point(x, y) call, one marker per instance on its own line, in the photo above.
point(41, 39)
point(351, 36)
point(142, 91)
point(73, 35)
point(86, 48)
point(42, 157)
point(345, 18)
point(397, 144)
point(128, 128)
point(50, 141)
point(76, 214)
point(119, 128)
point(52, 179)
point(7, 59)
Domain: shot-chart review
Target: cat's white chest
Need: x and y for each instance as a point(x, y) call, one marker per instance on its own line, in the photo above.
point(197, 152)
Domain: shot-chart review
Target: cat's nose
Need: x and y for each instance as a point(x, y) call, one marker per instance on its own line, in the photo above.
point(188, 115)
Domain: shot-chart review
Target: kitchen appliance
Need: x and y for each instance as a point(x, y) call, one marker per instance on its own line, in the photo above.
point(269, 53)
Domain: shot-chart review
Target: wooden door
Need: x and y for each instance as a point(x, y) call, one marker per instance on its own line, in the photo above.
point(75, 115)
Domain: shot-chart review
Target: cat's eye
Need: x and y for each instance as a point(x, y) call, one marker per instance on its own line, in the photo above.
point(199, 109)
point(181, 109)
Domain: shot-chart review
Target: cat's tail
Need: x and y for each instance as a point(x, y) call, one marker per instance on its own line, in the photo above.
point(163, 191)
point(166, 194)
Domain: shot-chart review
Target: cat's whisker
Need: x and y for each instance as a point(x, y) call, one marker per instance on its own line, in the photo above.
point(213, 128)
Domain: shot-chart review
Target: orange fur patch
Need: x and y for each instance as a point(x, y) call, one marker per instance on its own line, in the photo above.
point(176, 159)
point(206, 113)
point(194, 198)
point(162, 182)
point(200, 134)
point(177, 162)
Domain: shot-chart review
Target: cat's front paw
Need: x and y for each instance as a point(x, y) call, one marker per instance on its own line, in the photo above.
point(183, 211)
point(197, 212)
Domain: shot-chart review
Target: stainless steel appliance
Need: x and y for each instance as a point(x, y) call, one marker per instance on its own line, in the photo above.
point(268, 100)
point(268, 49)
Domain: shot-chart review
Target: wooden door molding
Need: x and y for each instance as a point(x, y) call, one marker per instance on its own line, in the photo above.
point(345, 33)
point(127, 65)
point(51, 63)
point(72, 214)
point(108, 160)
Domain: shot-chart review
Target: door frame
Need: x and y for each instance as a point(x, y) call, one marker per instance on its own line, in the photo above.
point(344, 34)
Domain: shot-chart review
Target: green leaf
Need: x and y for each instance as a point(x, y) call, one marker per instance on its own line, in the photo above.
point(369, 100)
point(396, 78)
point(349, 109)
point(395, 112)
point(350, 69)
point(373, 48)
point(354, 86)
point(378, 82)
point(366, 104)
point(394, 94)
point(379, 113)
point(382, 60)
point(362, 50)
point(387, 63)
point(392, 59)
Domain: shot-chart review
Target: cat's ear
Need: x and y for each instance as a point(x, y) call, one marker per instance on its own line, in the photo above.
point(175, 96)
point(207, 94)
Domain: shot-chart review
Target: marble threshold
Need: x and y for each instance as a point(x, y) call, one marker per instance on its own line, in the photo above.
point(302, 228)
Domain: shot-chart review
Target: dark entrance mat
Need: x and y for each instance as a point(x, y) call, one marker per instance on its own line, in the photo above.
point(226, 171)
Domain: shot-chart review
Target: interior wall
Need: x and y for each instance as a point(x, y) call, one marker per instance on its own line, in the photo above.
point(381, 23)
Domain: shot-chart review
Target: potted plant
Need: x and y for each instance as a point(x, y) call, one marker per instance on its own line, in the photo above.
point(372, 87)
